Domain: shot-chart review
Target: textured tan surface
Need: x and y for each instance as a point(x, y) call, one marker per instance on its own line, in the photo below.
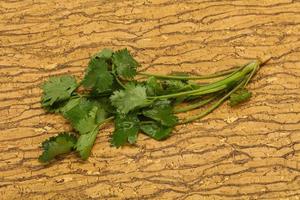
point(251, 152)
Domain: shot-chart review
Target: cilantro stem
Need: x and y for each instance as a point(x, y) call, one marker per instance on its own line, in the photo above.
point(218, 103)
point(174, 77)
point(102, 123)
point(116, 76)
point(209, 90)
point(146, 122)
point(216, 86)
point(194, 106)
point(120, 83)
point(107, 120)
point(214, 106)
point(95, 95)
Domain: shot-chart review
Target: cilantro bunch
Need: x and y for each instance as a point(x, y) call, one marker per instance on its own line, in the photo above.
point(109, 92)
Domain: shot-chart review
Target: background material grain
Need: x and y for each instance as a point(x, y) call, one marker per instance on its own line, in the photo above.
point(251, 152)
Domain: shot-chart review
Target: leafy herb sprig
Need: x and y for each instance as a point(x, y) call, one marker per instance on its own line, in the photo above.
point(109, 91)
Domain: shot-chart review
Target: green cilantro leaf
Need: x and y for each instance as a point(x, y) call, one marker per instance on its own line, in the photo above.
point(86, 115)
point(105, 104)
point(161, 111)
point(69, 104)
point(102, 113)
point(156, 130)
point(88, 126)
point(85, 143)
point(125, 64)
point(153, 86)
point(97, 75)
point(173, 86)
point(79, 111)
point(57, 145)
point(105, 53)
point(58, 89)
point(63, 106)
point(239, 96)
point(131, 97)
point(88, 122)
point(126, 129)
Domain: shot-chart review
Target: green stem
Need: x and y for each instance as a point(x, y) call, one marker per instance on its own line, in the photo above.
point(174, 77)
point(146, 122)
point(194, 106)
point(102, 123)
point(96, 95)
point(214, 106)
point(255, 70)
point(209, 91)
point(106, 121)
point(116, 76)
point(216, 86)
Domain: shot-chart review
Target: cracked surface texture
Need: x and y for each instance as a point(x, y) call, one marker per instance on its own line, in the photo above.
point(249, 152)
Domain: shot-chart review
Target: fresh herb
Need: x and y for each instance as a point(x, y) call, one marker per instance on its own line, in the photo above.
point(156, 130)
point(162, 112)
point(109, 91)
point(239, 96)
point(57, 90)
point(126, 129)
point(85, 143)
point(153, 86)
point(97, 75)
point(125, 64)
point(54, 146)
point(131, 97)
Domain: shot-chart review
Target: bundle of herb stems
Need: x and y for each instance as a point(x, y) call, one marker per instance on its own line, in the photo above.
point(109, 91)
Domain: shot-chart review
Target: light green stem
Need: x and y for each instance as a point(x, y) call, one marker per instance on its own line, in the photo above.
point(105, 121)
point(194, 106)
point(216, 86)
point(214, 106)
point(174, 77)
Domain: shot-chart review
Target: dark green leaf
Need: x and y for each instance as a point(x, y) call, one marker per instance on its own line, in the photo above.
point(153, 86)
point(161, 111)
point(66, 105)
point(54, 146)
point(102, 113)
point(86, 115)
point(79, 111)
point(58, 89)
point(126, 129)
point(56, 107)
point(105, 103)
point(239, 96)
point(105, 53)
point(174, 86)
point(130, 98)
point(71, 103)
point(85, 143)
point(88, 122)
point(125, 64)
point(97, 75)
point(156, 130)
point(88, 125)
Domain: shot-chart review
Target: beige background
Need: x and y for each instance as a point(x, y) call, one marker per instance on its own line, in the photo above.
point(250, 152)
